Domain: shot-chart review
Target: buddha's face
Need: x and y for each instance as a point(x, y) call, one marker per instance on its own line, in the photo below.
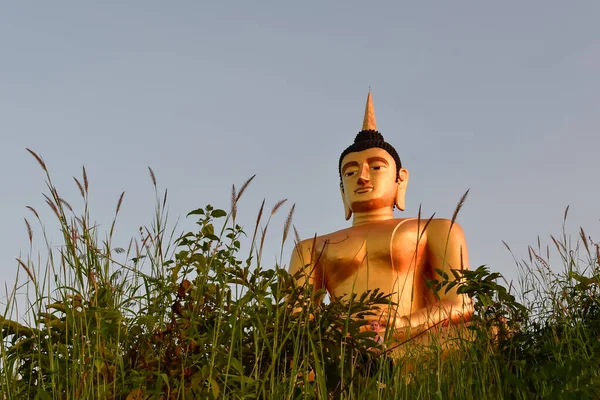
point(369, 180)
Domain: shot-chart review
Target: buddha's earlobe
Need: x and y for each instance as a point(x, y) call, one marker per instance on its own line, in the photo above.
point(400, 201)
point(347, 210)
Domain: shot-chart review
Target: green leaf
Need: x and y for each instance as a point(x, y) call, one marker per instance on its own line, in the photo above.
point(214, 386)
point(450, 286)
point(237, 365)
point(197, 211)
point(218, 213)
point(208, 230)
point(43, 395)
point(196, 380)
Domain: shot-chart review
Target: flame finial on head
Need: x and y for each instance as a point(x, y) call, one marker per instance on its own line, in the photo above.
point(369, 120)
point(369, 138)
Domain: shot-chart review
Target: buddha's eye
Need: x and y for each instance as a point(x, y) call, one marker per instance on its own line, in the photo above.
point(349, 173)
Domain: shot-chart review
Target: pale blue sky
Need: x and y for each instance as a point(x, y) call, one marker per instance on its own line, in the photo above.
point(499, 97)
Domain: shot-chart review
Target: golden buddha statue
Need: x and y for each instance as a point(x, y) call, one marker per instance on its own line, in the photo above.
point(396, 255)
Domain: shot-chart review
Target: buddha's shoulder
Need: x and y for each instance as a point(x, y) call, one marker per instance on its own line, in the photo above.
point(318, 241)
point(442, 224)
point(396, 223)
point(408, 224)
point(440, 230)
point(432, 222)
point(429, 227)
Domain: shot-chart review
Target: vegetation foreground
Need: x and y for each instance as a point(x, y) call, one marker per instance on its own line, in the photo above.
point(190, 318)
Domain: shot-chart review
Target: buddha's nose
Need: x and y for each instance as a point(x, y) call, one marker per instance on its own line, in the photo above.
point(363, 178)
point(364, 174)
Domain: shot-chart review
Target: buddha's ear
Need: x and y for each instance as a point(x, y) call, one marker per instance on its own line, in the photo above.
point(347, 210)
point(401, 191)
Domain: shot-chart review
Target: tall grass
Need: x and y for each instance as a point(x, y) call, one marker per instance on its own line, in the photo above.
point(188, 316)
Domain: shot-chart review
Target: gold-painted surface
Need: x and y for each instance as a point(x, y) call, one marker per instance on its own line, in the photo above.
point(369, 119)
point(396, 255)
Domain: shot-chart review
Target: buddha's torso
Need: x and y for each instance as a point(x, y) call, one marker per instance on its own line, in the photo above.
point(388, 255)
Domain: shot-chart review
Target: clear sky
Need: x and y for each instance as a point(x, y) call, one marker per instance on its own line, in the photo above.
point(499, 97)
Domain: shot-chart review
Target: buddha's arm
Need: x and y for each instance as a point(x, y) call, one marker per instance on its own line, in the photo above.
point(302, 260)
point(446, 250)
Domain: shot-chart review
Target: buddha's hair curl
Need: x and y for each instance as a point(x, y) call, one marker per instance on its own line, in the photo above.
point(369, 139)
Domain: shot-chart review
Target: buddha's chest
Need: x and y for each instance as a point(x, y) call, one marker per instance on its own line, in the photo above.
point(366, 256)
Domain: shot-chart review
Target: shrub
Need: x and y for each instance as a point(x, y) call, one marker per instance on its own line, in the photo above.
point(187, 317)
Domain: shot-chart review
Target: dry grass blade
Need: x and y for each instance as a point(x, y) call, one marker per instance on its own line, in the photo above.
point(74, 235)
point(29, 231)
point(233, 202)
point(256, 226)
point(165, 199)
point(297, 246)
point(314, 260)
point(296, 235)
point(260, 213)
point(27, 270)
point(52, 206)
point(530, 251)
point(425, 227)
point(584, 239)
point(119, 202)
point(263, 234)
point(244, 186)
point(558, 245)
point(150, 237)
point(152, 176)
point(80, 187)
point(54, 193)
point(33, 211)
point(288, 224)
point(64, 203)
point(506, 245)
point(277, 206)
point(38, 158)
point(459, 206)
point(566, 213)
point(543, 262)
point(86, 183)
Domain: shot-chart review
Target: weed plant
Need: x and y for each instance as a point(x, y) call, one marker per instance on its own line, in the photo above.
point(189, 317)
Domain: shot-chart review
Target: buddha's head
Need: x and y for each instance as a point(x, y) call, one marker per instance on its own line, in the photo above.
point(371, 173)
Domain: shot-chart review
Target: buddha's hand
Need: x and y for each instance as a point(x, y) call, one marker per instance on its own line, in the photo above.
point(404, 329)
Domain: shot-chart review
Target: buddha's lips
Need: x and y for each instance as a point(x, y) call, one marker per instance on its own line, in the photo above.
point(363, 190)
